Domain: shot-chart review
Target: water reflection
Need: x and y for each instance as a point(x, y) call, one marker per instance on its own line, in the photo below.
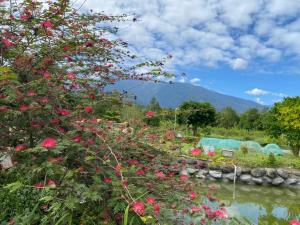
point(259, 205)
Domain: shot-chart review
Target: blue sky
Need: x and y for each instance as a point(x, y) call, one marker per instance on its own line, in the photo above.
point(244, 48)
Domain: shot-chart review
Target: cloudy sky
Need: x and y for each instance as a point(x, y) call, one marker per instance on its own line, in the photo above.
point(244, 48)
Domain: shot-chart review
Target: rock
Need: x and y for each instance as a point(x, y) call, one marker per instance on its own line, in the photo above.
point(191, 171)
point(266, 180)
point(229, 176)
point(277, 181)
point(271, 172)
point(257, 180)
point(227, 169)
point(283, 173)
point(291, 181)
point(238, 171)
point(258, 172)
point(202, 174)
point(214, 167)
point(215, 174)
point(191, 161)
point(246, 178)
point(246, 170)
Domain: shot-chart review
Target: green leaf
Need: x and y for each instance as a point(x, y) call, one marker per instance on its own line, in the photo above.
point(13, 186)
point(125, 221)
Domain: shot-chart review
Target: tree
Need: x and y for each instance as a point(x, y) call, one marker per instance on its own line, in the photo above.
point(227, 118)
point(197, 114)
point(250, 119)
point(154, 105)
point(287, 115)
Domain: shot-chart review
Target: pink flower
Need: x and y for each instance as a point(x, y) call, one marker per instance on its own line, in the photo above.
point(156, 208)
point(76, 139)
point(23, 108)
point(88, 109)
point(149, 114)
point(55, 121)
point(71, 75)
point(3, 108)
point(139, 208)
point(221, 213)
point(49, 143)
point(150, 200)
point(47, 24)
point(51, 183)
point(160, 175)
point(196, 151)
point(184, 178)
point(39, 186)
point(44, 207)
point(195, 209)
point(7, 43)
point(31, 93)
point(21, 147)
point(55, 160)
point(294, 222)
point(47, 75)
point(192, 195)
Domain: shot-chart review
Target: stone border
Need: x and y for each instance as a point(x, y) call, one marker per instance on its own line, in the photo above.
point(255, 176)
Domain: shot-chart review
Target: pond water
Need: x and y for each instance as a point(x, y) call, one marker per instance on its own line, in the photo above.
point(259, 205)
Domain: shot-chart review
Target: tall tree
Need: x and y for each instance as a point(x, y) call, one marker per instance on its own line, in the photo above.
point(250, 119)
point(154, 105)
point(227, 118)
point(197, 114)
point(288, 117)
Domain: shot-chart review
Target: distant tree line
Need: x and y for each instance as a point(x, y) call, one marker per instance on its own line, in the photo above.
point(282, 120)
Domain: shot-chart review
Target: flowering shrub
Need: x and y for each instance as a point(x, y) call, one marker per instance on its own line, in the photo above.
point(72, 165)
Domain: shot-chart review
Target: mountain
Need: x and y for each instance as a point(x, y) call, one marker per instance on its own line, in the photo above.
point(172, 95)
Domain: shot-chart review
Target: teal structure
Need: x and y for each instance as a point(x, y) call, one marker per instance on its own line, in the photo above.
point(232, 144)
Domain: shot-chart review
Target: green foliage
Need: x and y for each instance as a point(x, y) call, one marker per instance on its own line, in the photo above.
point(244, 149)
point(227, 118)
point(251, 119)
point(154, 106)
point(271, 159)
point(197, 114)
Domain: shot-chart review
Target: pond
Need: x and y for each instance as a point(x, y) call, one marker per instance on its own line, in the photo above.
point(260, 205)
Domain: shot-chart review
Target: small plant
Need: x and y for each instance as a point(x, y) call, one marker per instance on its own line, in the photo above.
point(271, 159)
point(244, 150)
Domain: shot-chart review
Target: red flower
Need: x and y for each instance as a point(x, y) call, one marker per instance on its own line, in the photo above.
point(192, 195)
point(149, 114)
point(211, 154)
point(3, 108)
point(47, 24)
point(196, 151)
point(44, 207)
point(150, 200)
point(21, 147)
point(64, 112)
point(294, 222)
point(55, 121)
point(195, 209)
point(88, 109)
point(76, 139)
point(139, 208)
point(49, 143)
point(156, 208)
point(23, 108)
point(118, 167)
point(221, 213)
point(140, 172)
point(39, 186)
point(51, 183)
point(107, 180)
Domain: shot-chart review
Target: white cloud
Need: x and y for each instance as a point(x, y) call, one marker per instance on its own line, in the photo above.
point(239, 63)
point(209, 32)
point(257, 92)
point(195, 81)
point(261, 92)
